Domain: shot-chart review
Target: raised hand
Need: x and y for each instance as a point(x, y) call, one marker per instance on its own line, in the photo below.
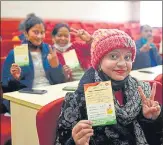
point(52, 57)
point(15, 71)
point(84, 35)
point(82, 132)
point(151, 108)
point(150, 40)
point(146, 47)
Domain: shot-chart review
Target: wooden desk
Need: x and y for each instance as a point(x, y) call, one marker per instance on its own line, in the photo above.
point(147, 76)
point(24, 107)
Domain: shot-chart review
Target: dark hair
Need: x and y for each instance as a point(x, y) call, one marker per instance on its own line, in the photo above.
point(58, 26)
point(31, 15)
point(32, 20)
point(22, 24)
point(142, 27)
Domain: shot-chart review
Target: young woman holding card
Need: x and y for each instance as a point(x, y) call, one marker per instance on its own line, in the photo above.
point(112, 55)
point(62, 43)
point(43, 67)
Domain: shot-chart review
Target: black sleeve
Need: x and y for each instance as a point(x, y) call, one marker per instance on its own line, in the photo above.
point(70, 115)
point(153, 129)
point(73, 110)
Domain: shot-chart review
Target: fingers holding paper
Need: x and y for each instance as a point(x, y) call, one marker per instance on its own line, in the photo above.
point(15, 71)
point(67, 72)
point(82, 132)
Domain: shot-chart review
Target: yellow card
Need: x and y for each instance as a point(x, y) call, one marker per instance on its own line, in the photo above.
point(71, 58)
point(100, 103)
point(21, 55)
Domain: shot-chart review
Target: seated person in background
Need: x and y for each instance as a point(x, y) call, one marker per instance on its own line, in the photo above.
point(62, 44)
point(43, 69)
point(146, 52)
point(112, 54)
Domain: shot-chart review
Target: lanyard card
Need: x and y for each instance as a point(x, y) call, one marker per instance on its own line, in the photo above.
point(71, 59)
point(21, 55)
point(100, 103)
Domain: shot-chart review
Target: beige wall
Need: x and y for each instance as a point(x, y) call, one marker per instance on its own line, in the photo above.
point(111, 11)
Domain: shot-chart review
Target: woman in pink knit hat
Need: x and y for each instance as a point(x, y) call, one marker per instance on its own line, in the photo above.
point(112, 55)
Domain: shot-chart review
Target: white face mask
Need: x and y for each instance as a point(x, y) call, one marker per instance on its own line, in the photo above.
point(64, 48)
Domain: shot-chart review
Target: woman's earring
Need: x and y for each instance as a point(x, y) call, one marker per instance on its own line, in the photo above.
point(99, 69)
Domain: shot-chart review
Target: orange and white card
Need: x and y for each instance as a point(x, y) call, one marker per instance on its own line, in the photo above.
point(100, 103)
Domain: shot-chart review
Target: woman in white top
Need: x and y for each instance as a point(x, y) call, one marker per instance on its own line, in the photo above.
point(43, 69)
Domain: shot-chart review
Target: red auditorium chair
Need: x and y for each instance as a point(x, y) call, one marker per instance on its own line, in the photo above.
point(159, 78)
point(5, 124)
point(5, 131)
point(48, 35)
point(156, 39)
point(128, 31)
point(46, 122)
point(157, 46)
point(2, 60)
point(156, 30)
point(48, 41)
point(75, 25)
point(101, 25)
point(136, 36)
point(89, 27)
point(16, 33)
point(7, 45)
point(48, 26)
point(7, 23)
point(6, 35)
point(158, 96)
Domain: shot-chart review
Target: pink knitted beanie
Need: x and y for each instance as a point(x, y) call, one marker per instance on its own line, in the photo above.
point(106, 40)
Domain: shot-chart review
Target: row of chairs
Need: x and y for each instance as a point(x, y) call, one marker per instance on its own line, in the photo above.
point(134, 27)
point(134, 34)
point(46, 118)
point(7, 44)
